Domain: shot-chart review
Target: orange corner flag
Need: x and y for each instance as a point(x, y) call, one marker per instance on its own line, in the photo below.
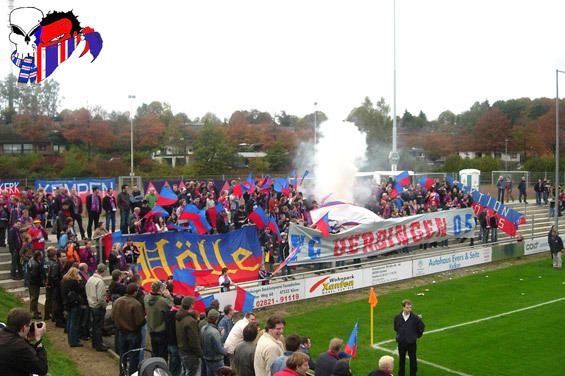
point(373, 298)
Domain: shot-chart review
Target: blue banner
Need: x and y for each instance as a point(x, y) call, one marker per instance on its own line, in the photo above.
point(82, 186)
point(10, 187)
point(498, 207)
point(160, 254)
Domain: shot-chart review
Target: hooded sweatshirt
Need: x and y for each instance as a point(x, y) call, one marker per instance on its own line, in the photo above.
point(188, 335)
point(156, 307)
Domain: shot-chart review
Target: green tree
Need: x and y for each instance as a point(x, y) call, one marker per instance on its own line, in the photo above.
point(374, 120)
point(213, 154)
point(278, 157)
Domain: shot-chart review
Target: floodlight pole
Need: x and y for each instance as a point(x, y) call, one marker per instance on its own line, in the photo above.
point(557, 71)
point(315, 121)
point(394, 157)
point(132, 98)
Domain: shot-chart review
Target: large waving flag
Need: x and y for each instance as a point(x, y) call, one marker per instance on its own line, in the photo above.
point(280, 184)
point(202, 303)
point(166, 197)
point(426, 182)
point(403, 178)
point(184, 282)
point(259, 217)
point(323, 225)
point(244, 301)
point(158, 211)
point(196, 218)
point(351, 346)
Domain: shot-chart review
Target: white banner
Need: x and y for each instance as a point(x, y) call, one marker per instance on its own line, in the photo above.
point(436, 264)
point(387, 273)
point(537, 245)
point(334, 283)
point(267, 295)
point(381, 237)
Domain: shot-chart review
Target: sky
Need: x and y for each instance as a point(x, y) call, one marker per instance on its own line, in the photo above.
point(225, 55)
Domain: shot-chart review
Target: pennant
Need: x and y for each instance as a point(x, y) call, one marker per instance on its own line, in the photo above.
point(156, 210)
point(259, 217)
point(323, 225)
point(373, 301)
point(181, 185)
point(244, 301)
point(226, 186)
point(203, 302)
point(290, 258)
point(306, 172)
point(403, 179)
point(351, 346)
point(166, 196)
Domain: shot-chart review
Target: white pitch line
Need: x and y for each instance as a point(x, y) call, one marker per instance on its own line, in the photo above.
point(449, 370)
point(480, 320)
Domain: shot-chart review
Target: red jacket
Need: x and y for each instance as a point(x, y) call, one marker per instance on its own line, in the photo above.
point(287, 372)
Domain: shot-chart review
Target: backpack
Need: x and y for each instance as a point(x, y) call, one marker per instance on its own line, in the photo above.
point(154, 367)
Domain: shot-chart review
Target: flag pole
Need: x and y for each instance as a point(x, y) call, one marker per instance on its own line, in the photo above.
point(371, 308)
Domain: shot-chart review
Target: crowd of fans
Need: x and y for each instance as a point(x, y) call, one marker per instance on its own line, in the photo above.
point(76, 295)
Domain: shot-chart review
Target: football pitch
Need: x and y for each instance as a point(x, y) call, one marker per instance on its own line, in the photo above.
point(509, 321)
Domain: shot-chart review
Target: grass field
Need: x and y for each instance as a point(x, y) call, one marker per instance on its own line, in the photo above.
point(531, 341)
point(59, 364)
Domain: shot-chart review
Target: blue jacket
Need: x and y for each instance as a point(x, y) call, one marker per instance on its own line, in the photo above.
point(226, 324)
point(212, 343)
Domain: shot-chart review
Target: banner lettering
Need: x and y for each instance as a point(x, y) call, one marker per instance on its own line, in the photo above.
point(239, 251)
point(82, 186)
point(380, 237)
point(10, 187)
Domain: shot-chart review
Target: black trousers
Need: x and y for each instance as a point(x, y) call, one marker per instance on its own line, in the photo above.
point(93, 219)
point(404, 348)
point(159, 345)
point(78, 220)
point(97, 324)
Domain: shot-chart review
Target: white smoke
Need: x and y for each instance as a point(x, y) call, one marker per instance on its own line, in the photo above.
point(339, 153)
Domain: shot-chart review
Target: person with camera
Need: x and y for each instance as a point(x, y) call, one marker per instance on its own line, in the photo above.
point(21, 349)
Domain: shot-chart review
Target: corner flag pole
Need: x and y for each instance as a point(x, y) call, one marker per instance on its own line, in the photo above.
point(372, 304)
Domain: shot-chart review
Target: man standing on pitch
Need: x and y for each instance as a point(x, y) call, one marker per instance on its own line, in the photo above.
point(408, 327)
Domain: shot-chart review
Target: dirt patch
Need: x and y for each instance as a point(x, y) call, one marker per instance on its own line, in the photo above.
point(304, 306)
point(87, 360)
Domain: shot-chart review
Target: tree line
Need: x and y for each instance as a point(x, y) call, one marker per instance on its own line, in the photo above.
point(100, 140)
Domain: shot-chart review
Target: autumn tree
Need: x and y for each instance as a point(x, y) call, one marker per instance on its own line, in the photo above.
point(79, 126)
point(491, 130)
point(148, 131)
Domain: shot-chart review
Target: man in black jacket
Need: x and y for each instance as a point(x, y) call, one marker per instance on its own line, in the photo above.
point(555, 247)
point(17, 356)
point(408, 327)
point(15, 245)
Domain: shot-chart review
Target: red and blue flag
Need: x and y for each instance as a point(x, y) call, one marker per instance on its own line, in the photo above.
point(426, 182)
point(244, 301)
point(249, 184)
point(259, 217)
point(403, 179)
point(237, 190)
point(323, 225)
point(166, 197)
point(274, 227)
point(351, 346)
point(184, 282)
point(306, 172)
point(156, 210)
point(202, 303)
